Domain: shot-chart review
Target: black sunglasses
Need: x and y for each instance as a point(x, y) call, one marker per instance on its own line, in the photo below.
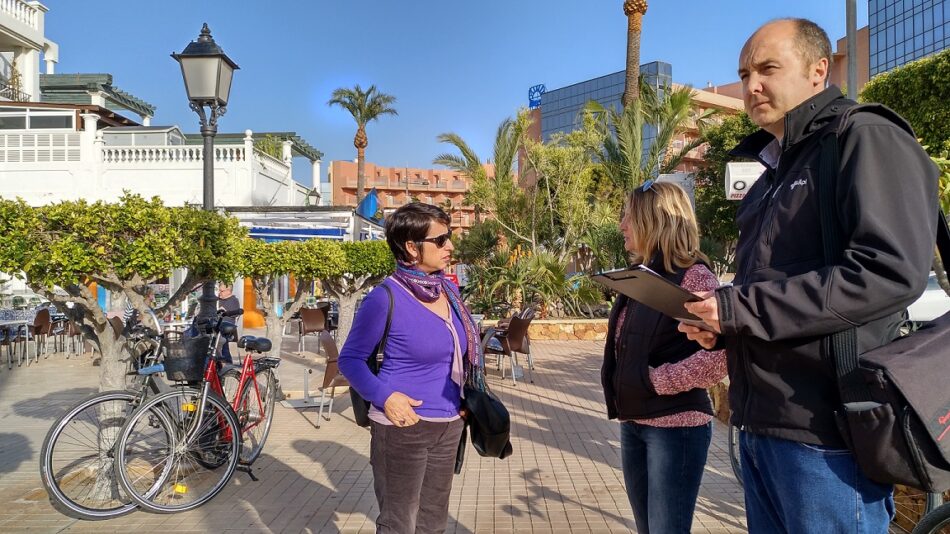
point(439, 240)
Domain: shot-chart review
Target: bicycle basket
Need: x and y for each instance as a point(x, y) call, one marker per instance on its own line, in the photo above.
point(185, 359)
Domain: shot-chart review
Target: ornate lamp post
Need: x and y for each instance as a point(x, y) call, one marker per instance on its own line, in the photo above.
point(207, 72)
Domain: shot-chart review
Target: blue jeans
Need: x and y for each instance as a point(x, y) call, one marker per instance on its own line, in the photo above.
point(801, 488)
point(662, 470)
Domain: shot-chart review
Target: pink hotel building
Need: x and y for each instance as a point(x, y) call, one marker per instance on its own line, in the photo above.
point(442, 187)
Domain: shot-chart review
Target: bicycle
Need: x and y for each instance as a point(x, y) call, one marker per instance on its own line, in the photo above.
point(935, 522)
point(205, 446)
point(254, 406)
point(77, 454)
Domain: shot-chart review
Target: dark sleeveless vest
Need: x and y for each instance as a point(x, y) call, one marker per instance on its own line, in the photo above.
point(648, 339)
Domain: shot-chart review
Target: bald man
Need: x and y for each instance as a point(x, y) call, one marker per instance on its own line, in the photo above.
point(799, 476)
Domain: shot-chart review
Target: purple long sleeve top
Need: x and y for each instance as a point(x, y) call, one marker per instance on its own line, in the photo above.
point(418, 355)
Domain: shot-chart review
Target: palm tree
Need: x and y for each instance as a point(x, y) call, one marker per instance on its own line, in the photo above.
point(365, 106)
point(634, 10)
point(622, 152)
point(497, 195)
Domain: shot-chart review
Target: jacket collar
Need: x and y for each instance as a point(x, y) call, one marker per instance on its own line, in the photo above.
point(800, 122)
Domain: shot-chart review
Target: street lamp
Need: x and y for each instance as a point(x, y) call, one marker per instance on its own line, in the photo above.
point(207, 72)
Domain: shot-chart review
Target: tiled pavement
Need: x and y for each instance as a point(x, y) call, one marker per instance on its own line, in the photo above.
point(563, 477)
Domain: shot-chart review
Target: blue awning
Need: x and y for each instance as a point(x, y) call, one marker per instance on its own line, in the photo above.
point(271, 235)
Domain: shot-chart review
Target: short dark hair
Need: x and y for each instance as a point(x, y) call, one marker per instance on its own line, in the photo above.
point(411, 223)
point(811, 40)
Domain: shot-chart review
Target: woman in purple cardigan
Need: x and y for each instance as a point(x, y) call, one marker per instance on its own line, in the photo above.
point(416, 398)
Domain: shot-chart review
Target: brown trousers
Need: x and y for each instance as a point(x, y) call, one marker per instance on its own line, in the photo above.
point(412, 471)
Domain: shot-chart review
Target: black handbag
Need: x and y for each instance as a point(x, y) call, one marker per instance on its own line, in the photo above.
point(895, 400)
point(488, 420)
point(374, 362)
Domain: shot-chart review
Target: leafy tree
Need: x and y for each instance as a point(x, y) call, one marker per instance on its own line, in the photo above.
point(308, 261)
point(715, 213)
point(634, 10)
point(366, 264)
point(121, 246)
point(271, 145)
point(918, 91)
point(364, 106)
point(479, 243)
point(622, 149)
point(498, 194)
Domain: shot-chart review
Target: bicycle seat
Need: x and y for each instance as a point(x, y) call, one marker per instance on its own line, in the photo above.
point(228, 331)
point(254, 344)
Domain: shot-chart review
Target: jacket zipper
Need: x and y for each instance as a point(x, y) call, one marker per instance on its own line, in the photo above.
point(746, 366)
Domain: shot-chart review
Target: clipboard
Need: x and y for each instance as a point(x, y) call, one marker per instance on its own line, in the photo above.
point(649, 288)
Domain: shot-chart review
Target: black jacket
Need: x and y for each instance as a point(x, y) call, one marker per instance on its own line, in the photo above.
point(648, 339)
point(784, 300)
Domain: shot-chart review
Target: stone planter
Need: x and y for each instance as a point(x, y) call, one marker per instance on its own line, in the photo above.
point(565, 329)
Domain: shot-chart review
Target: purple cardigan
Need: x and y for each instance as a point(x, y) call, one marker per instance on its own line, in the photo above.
point(418, 356)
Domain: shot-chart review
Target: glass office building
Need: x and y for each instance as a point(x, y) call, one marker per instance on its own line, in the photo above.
point(901, 31)
point(560, 107)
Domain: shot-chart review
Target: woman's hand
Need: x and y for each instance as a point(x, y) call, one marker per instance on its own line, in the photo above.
point(398, 409)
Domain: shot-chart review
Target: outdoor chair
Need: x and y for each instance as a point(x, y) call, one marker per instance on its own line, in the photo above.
point(312, 321)
point(332, 378)
point(74, 338)
point(39, 332)
point(14, 339)
point(508, 343)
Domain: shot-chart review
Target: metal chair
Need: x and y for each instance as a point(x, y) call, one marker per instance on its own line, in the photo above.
point(74, 338)
point(312, 321)
point(40, 331)
point(332, 378)
point(511, 342)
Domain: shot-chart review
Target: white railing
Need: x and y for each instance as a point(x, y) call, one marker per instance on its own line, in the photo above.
point(39, 147)
point(270, 163)
point(169, 154)
point(21, 11)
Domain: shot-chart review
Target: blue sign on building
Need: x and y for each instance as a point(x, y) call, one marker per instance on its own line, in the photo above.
point(534, 96)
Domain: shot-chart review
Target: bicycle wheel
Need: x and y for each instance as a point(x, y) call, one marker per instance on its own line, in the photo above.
point(935, 522)
point(910, 506)
point(200, 458)
point(734, 452)
point(76, 459)
point(255, 411)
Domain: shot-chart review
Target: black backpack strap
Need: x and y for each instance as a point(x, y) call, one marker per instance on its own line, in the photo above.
point(375, 360)
point(842, 347)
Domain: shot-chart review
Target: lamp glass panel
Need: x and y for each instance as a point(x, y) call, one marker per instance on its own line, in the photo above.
point(201, 77)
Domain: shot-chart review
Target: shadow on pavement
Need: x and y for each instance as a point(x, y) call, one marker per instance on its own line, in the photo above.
point(53, 405)
point(14, 450)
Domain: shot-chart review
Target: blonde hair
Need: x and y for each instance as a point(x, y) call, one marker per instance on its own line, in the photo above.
point(662, 220)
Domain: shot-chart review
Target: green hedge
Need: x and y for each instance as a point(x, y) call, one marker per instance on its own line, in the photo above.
point(919, 91)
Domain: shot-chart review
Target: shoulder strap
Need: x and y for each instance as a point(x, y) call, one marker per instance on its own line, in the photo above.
point(375, 360)
point(842, 347)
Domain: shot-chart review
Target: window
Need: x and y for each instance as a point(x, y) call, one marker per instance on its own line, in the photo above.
point(12, 122)
point(50, 121)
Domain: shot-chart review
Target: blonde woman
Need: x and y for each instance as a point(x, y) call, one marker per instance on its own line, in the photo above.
point(654, 378)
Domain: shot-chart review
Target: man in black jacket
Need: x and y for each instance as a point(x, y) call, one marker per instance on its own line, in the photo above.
point(799, 477)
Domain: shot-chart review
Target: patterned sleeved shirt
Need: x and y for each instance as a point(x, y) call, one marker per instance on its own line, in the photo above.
point(701, 370)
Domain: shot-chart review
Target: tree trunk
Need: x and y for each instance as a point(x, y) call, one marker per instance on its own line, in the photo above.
point(360, 142)
point(347, 310)
point(634, 10)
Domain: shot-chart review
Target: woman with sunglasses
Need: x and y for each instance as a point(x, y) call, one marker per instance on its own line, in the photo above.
point(416, 397)
point(654, 378)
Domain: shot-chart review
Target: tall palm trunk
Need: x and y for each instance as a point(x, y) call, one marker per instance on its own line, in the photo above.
point(360, 142)
point(634, 10)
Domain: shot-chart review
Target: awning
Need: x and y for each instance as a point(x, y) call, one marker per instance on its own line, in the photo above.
point(271, 235)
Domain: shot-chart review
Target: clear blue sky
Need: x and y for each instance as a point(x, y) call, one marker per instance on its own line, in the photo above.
point(453, 65)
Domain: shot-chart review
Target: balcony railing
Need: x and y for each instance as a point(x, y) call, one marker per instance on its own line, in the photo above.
point(39, 147)
point(9, 93)
point(169, 154)
point(21, 11)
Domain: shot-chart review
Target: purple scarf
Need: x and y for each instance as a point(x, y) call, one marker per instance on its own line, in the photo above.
point(428, 287)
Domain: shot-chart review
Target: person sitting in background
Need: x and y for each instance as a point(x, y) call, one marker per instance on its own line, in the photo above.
point(227, 302)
